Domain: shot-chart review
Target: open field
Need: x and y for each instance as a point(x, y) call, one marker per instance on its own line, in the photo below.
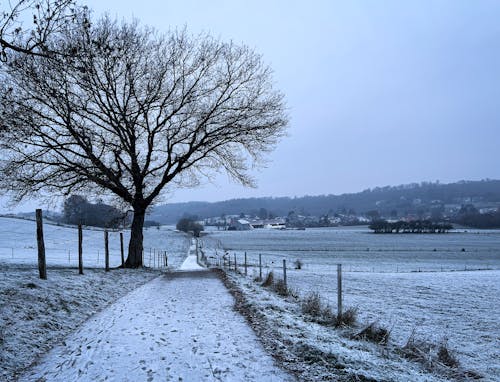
point(448, 298)
point(34, 314)
point(18, 244)
point(381, 277)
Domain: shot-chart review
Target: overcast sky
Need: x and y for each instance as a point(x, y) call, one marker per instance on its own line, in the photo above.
point(379, 92)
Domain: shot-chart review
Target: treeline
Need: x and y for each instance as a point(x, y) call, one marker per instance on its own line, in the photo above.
point(419, 199)
point(78, 210)
point(187, 225)
point(469, 216)
point(417, 226)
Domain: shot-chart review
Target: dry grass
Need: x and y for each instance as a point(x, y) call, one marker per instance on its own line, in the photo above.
point(281, 288)
point(445, 356)
point(269, 280)
point(435, 358)
point(298, 264)
point(349, 317)
point(312, 305)
point(374, 333)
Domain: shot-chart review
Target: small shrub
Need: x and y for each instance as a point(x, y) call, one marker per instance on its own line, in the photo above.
point(374, 333)
point(31, 286)
point(416, 350)
point(269, 280)
point(298, 264)
point(445, 356)
point(348, 317)
point(312, 305)
point(436, 358)
point(281, 288)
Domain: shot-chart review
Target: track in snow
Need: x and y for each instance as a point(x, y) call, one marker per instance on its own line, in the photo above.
point(178, 327)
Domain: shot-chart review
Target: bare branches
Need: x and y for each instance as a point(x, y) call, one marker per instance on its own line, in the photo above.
point(26, 25)
point(131, 112)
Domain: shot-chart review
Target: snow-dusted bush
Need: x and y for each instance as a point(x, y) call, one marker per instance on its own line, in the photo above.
point(269, 280)
point(374, 333)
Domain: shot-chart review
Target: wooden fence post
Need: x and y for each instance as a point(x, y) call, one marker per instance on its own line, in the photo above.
point(121, 249)
point(260, 266)
point(246, 264)
point(284, 272)
point(235, 265)
point(106, 250)
point(339, 292)
point(80, 249)
point(42, 265)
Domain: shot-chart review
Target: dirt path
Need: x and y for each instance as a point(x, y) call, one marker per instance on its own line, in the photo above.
point(178, 327)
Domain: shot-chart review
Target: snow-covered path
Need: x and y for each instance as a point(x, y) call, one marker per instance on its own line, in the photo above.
point(178, 327)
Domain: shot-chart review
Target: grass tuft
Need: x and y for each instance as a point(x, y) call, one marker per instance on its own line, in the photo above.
point(374, 333)
point(312, 305)
point(445, 356)
point(269, 280)
point(280, 287)
point(349, 317)
point(298, 264)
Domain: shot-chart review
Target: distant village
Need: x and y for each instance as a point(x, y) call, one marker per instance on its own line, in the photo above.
point(464, 214)
point(244, 222)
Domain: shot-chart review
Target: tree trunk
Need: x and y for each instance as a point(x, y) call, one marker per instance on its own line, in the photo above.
point(134, 259)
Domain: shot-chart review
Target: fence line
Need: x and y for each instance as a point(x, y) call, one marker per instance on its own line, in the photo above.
point(273, 262)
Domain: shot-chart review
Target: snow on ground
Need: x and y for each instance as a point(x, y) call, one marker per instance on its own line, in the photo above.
point(460, 306)
point(191, 261)
point(178, 327)
point(37, 314)
point(18, 244)
point(315, 352)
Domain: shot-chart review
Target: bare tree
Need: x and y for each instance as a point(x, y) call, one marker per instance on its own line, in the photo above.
point(26, 25)
point(128, 112)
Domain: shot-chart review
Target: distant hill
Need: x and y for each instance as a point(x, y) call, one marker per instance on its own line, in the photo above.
point(392, 201)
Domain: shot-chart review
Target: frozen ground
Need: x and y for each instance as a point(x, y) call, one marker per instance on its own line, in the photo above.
point(178, 327)
point(462, 306)
point(360, 250)
point(35, 315)
point(18, 244)
point(316, 352)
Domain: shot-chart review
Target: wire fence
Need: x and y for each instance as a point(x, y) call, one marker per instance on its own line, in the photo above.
point(272, 261)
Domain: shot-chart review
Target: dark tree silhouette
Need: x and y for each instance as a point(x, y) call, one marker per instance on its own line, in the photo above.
point(189, 225)
point(47, 18)
point(125, 111)
point(416, 226)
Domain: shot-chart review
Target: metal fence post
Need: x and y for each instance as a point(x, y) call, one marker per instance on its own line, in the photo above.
point(284, 272)
point(339, 292)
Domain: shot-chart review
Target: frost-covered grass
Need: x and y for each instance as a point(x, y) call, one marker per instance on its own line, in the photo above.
point(460, 306)
point(315, 352)
point(18, 244)
point(37, 314)
point(360, 250)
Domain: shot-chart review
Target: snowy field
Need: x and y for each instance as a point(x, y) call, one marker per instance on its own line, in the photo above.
point(423, 283)
point(163, 331)
point(18, 244)
point(34, 314)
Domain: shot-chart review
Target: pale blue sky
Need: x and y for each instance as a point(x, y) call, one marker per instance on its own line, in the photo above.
point(380, 92)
